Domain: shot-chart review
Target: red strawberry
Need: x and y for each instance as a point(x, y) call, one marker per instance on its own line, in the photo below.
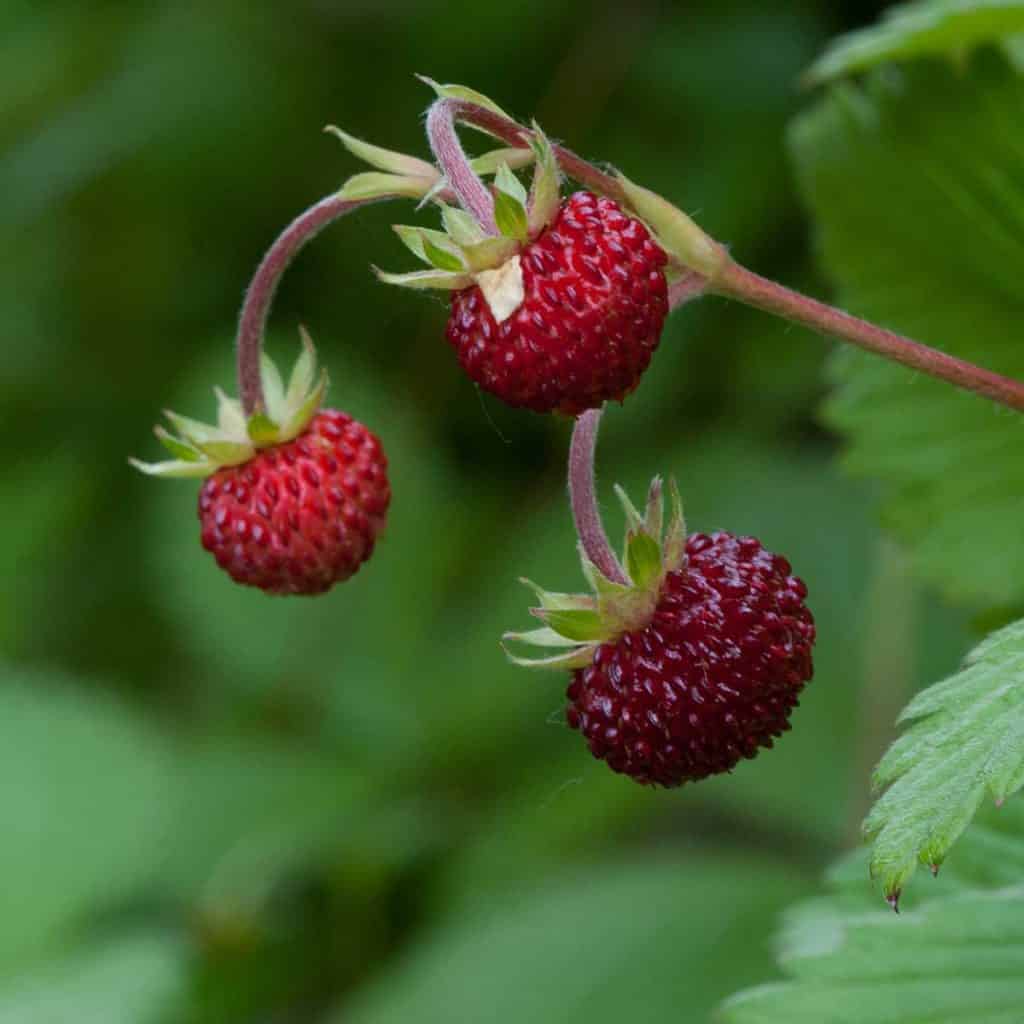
point(711, 678)
point(294, 498)
point(302, 516)
point(595, 300)
point(695, 664)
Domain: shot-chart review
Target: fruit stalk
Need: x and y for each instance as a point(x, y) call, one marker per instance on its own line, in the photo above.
point(467, 185)
point(583, 497)
point(260, 293)
point(736, 282)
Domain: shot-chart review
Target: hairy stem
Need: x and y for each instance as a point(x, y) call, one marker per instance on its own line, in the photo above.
point(583, 497)
point(260, 293)
point(467, 185)
point(737, 282)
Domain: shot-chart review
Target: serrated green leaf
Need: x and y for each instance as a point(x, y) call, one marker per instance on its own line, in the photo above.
point(643, 558)
point(966, 743)
point(922, 29)
point(923, 230)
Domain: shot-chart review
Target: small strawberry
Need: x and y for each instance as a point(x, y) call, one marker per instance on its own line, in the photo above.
point(295, 498)
point(696, 663)
point(563, 309)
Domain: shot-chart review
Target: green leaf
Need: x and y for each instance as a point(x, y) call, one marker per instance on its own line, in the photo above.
point(922, 29)
point(917, 185)
point(965, 741)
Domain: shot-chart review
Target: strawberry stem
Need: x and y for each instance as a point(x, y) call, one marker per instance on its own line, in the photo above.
point(472, 193)
point(260, 293)
point(736, 282)
point(583, 497)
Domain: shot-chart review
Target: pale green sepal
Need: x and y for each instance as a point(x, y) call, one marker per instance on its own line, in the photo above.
point(181, 450)
point(463, 92)
point(433, 247)
point(634, 521)
point(195, 432)
point(303, 372)
point(375, 185)
point(426, 279)
point(677, 232)
point(579, 658)
point(262, 429)
point(177, 468)
point(510, 216)
point(543, 637)
point(297, 420)
point(545, 192)
point(505, 181)
point(230, 417)
point(563, 602)
point(273, 386)
point(516, 157)
point(383, 159)
point(673, 547)
point(653, 515)
point(461, 226)
point(227, 453)
point(581, 625)
point(643, 559)
point(491, 253)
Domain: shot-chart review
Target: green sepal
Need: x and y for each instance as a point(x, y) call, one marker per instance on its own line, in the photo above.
point(227, 453)
point(433, 247)
point(444, 279)
point(579, 657)
point(463, 92)
point(580, 624)
point(560, 602)
point(673, 546)
point(492, 252)
point(678, 234)
point(177, 468)
point(375, 185)
point(634, 521)
point(516, 157)
point(261, 428)
point(461, 226)
point(230, 418)
point(383, 159)
point(543, 637)
point(303, 372)
point(510, 205)
point(545, 191)
point(181, 450)
point(643, 558)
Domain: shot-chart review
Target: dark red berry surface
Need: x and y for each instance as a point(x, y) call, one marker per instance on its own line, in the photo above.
point(595, 303)
point(711, 679)
point(301, 516)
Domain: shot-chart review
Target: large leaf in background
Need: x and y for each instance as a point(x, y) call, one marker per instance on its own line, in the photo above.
point(659, 939)
point(957, 955)
point(84, 788)
point(918, 30)
point(917, 185)
point(137, 979)
point(966, 741)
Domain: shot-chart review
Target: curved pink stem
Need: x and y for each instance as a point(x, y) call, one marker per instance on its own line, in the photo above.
point(583, 497)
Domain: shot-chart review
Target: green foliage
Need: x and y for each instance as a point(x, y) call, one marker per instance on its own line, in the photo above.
point(965, 741)
point(916, 182)
point(957, 956)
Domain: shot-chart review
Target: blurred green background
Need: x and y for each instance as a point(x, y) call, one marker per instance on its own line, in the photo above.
point(220, 807)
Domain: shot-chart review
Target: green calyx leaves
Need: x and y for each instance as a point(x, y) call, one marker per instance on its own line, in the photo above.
point(688, 245)
point(200, 449)
point(576, 624)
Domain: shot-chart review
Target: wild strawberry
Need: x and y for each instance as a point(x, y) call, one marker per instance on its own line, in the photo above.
point(694, 665)
point(560, 312)
point(294, 498)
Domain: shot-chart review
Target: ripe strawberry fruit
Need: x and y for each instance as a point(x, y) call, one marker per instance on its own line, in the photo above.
point(595, 301)
point(563, 309)
point(295, 498)
point(697, 664)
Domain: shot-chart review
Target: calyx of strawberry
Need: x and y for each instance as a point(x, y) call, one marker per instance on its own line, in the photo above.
point(576, 624)
point(200, 449)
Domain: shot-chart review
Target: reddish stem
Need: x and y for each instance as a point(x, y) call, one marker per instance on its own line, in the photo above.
point(737, 282)
point(583, 497)
point(467, 185)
